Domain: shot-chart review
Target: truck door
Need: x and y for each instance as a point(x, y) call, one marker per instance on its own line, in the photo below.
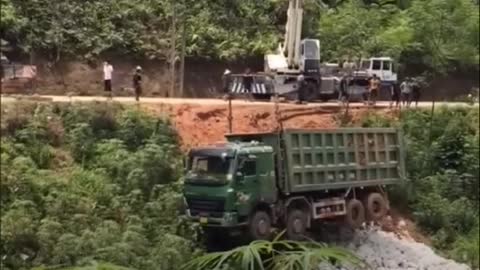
point(254, 181)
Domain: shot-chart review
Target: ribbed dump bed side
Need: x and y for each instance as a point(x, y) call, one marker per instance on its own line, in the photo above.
point(342, 158)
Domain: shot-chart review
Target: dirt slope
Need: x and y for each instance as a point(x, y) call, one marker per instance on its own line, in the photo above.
point(200, 125)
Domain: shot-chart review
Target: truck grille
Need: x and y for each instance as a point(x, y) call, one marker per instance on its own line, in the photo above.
point(213, 208)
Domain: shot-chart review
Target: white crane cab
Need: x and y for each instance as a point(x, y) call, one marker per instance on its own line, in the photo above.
point(310, 56)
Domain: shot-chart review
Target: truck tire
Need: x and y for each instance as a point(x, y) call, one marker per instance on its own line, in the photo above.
point(376, 206)
point(355, 214)
point(260, 225)
point(296, 225)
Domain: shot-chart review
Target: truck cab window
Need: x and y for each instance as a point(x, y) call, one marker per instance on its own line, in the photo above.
point(249, 168)
point(365, 64)
point(376, 64)
point(386, 65)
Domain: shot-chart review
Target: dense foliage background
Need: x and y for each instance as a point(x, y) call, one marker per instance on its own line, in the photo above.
point(431, 35)
point(85, 184)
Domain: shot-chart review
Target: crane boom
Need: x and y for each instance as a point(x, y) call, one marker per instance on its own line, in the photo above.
point(293, 32)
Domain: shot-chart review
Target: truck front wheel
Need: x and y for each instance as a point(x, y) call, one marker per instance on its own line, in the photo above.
point(355, 213)
point(296, 225)
point(260, 225)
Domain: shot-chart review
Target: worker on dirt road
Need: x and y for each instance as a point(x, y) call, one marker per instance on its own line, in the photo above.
point(344, 82)
point(406, 90)
point(302, 89)
point(416, 89)
point(373, 88)
point(107, 78)
point(137, 82)
point(226, 80)
point(395, 95)
point(248, 83)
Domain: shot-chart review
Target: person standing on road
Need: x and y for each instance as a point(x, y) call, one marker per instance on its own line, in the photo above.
point(302, 85)
point(416, 91)
point(406, 91)
point(374, 85)
point(226, 80)
point(107, 78)
point(344, 83)
point(137, 82)
point(395, 95)
point(247, 83)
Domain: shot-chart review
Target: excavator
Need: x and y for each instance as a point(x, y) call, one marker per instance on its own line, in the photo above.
point(299, 59)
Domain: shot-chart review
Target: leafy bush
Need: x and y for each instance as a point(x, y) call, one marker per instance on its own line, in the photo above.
point(276, 254)
point(116, 202)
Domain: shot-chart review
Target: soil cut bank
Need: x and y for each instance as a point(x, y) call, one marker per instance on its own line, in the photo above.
point(201, 125)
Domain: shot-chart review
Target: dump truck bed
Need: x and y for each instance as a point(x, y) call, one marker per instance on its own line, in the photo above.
point(328, 159)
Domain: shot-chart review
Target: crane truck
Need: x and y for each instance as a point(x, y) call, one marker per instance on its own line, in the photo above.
point(301, 57)
point(293, 178)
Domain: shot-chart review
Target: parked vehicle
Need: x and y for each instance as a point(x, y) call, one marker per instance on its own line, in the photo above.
point(293, 178)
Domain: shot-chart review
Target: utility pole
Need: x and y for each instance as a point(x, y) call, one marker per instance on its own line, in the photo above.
point(182, 53)
point(173, 49)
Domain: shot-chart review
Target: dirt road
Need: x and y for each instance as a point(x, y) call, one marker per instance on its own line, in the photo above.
point(178, 101)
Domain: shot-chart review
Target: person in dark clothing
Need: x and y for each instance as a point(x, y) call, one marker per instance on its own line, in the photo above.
point(247, 83)
point(137, 82)
point(395, 95)
point(302, 89)
point(226, 82)
point(344, 96)
point(415, 92)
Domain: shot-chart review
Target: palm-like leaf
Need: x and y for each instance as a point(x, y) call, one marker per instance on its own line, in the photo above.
point(276, 254)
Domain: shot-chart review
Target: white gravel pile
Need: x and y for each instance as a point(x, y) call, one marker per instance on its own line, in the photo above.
point(385, 251)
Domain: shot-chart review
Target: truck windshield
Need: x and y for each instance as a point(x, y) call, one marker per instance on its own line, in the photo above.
point(365, 64)
point(212, 169)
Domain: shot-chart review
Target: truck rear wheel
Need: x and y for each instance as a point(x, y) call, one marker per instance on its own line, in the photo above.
point(355, 213)
point(260, 225)
point(376, 206)
point(296, 225)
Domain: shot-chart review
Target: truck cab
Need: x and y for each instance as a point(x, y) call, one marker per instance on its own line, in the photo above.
point(225, 182)
point(380, 66)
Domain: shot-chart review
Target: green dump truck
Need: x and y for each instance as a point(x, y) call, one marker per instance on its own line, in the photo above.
point(293, 178)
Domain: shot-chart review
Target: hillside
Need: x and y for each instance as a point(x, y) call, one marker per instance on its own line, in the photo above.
point(101, 181)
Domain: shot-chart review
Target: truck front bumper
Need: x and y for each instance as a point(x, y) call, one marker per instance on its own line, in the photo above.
point(229, 219)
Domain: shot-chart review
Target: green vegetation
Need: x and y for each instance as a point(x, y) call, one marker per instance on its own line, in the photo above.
point(435, 35)
point(86, 184)
point(97, 187)
point(276, 254)
point(443, 160)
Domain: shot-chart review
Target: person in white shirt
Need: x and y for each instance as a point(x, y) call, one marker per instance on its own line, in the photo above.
point(107, 77)
point(406, 90)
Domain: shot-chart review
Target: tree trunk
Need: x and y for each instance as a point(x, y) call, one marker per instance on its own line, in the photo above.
point(182, 55)
point(173, 50)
